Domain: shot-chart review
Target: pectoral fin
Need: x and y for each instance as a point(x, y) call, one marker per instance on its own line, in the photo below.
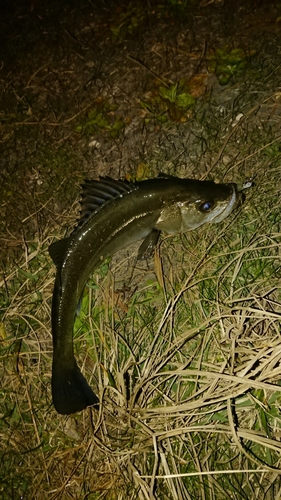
point(147, 247)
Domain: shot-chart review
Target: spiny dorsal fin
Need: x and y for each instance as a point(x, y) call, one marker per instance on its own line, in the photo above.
point(96, 193)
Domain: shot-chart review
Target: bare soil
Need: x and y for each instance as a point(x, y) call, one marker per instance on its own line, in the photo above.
point(62, 61)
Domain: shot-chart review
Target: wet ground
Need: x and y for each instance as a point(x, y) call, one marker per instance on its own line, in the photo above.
point(128, 89)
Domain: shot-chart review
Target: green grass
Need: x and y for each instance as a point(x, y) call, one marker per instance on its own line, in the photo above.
point(184, 354)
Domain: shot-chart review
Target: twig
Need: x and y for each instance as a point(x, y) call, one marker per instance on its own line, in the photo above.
point(149, 70)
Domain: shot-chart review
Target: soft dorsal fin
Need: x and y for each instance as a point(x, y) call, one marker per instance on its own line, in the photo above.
point(96, 193)
point(57, 251)
point(162, 175)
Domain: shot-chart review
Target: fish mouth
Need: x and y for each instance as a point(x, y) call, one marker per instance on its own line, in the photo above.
point(235, 201)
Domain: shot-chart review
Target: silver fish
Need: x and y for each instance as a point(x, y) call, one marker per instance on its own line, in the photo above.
point(114, 215)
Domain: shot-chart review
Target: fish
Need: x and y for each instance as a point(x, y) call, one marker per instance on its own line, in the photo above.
point(114, 214)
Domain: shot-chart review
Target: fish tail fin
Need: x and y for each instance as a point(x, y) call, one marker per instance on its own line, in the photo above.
point(70, 390)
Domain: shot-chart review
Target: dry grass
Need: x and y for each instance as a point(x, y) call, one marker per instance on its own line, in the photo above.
point(185, 355)
point(184, 352)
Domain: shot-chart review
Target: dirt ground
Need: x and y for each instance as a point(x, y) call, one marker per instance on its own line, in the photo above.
point(129, 90)
point(80, 98)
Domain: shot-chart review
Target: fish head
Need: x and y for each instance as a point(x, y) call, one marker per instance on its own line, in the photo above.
point(204, 202)
point(212, 206)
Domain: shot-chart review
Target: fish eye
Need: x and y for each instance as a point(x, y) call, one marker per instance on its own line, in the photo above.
point(206, 206)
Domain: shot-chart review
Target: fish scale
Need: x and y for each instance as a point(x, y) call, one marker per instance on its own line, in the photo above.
point(115, 214)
